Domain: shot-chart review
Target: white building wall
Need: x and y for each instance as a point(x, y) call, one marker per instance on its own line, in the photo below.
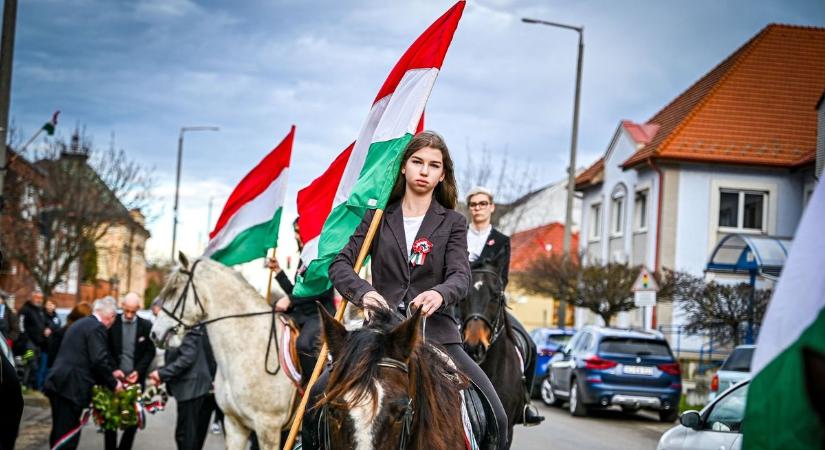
point(545, 207)
point(621, 148)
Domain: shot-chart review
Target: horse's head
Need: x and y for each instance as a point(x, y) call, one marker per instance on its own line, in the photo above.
point(482, 312)
point(180, 307)
point(385, 384)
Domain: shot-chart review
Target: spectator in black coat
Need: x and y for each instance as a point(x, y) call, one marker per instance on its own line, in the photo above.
point(34, 335)
point(132, 352)
point(188, 375)
point(80, 311)
point(82, 362)
point(9, 325)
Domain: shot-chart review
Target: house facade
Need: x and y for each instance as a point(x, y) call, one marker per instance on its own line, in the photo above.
point(733, 154)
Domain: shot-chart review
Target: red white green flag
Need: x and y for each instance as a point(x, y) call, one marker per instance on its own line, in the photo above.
point(780, 410)
point(248, 225)
point(370, 170)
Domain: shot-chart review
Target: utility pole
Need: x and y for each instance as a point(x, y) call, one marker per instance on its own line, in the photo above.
point(6, 58)
point(571, 169)
point(177, 182)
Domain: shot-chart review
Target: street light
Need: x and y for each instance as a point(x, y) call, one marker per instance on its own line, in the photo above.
point(571, 169)
point(177, 180)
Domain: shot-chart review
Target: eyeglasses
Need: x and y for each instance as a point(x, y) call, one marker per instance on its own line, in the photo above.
point(482, 204)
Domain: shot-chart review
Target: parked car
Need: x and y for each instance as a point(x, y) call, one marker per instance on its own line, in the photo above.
point(718, 425)
point(736, 368)
point(604, 366)
point(548, 342)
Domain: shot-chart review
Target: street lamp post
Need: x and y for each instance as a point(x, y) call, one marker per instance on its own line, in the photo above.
point(177, 180)
point(571, 169)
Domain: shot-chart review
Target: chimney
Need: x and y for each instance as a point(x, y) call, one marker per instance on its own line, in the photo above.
point(820, 135)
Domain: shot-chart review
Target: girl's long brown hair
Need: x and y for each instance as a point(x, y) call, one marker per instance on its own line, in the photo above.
point(446, 191)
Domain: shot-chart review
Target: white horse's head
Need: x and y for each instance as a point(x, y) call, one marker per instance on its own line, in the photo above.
point(180, 307)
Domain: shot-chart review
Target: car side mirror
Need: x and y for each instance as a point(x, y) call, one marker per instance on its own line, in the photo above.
point(691, 419)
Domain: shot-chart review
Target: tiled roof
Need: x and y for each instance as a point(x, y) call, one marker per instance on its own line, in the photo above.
point(527, 245)
point(591, 176)
point(756, 107)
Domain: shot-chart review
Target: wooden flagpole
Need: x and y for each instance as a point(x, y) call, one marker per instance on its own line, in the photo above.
point(269, 281)
point(339, 315)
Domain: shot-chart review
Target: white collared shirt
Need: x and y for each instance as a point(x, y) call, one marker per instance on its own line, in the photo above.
point(411, 226)
point(476, 239)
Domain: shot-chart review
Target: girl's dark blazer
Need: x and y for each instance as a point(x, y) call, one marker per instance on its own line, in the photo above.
point(446, 268)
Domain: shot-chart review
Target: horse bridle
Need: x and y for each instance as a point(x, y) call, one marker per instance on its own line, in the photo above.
point(407, 419)
point(181, 304)
point(497, 325)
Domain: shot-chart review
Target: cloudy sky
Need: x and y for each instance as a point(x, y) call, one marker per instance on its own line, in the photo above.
point(141, 69)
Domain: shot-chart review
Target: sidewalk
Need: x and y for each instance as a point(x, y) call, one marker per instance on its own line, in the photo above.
point(159, 433)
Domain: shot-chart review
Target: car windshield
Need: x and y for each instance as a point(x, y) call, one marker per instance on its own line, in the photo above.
point(558, 339)
point(634, 346)
point(739, 360)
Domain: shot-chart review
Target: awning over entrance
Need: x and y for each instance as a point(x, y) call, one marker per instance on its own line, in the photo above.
point(750, 254)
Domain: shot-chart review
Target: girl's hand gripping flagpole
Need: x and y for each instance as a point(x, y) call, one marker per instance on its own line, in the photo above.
point(339, 315)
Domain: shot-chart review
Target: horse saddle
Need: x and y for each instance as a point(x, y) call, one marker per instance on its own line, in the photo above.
point(480, 426)
point(288, 350)
point(523, 349)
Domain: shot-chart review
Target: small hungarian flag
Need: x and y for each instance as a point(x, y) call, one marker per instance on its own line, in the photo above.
point(781, 405)
point(370, 170)
point(248, 225)
point(52, 124)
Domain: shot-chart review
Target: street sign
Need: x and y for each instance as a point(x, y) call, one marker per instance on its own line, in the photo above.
point(645, 282)
point(644, 289)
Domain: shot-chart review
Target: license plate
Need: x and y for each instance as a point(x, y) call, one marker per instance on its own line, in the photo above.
point(638, 370)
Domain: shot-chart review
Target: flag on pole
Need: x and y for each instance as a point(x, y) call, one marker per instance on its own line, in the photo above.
point(364, 181)
point(248, 224)
point(778, 411)
point(52, 124)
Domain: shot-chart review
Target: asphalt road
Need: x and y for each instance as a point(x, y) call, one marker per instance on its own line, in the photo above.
point(606, 429)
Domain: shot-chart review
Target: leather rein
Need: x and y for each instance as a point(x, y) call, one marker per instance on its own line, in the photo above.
point(181, 305)
point(407, 418)
point(497, 324)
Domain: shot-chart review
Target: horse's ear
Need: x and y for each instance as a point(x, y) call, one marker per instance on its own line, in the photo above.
point(184, 261)
point(333, 332)
point(404, 337)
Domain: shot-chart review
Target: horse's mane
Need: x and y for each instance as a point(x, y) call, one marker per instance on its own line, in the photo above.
point(436, 381)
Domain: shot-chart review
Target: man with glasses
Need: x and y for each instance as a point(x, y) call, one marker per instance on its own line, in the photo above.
point(487, 245)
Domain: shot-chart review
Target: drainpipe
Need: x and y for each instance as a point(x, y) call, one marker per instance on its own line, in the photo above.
point(658, 223)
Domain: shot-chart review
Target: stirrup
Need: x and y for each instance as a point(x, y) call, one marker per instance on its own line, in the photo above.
point(535, 414)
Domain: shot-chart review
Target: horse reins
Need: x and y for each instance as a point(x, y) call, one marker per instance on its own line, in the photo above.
point(181, 304)
point(407, 419)
point(497, 326)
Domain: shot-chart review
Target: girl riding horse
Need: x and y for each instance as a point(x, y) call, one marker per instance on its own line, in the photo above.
point(419, 261)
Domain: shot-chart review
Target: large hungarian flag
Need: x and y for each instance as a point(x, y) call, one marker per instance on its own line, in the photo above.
point(248, 225)
point(370, 170)
point(779, 412)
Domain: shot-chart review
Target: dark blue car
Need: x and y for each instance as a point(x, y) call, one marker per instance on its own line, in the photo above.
point(603, 366)
point(548, 342)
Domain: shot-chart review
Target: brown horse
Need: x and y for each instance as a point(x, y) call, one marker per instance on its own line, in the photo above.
point(388, 390)
point(489, 340)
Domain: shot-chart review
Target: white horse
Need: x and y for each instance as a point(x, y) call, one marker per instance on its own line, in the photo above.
point(250, 398)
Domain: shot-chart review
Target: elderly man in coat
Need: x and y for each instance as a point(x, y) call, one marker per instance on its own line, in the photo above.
point(82, 362)
point(133, 352)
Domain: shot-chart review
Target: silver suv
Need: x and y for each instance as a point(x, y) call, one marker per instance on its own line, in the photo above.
point(736, 368)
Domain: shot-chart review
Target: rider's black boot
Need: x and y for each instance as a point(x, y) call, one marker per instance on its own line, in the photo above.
point(532, 416)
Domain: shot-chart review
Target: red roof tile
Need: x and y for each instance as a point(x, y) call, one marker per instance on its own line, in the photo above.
point(527, 245)
point(591, 176)
point(755, 107)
